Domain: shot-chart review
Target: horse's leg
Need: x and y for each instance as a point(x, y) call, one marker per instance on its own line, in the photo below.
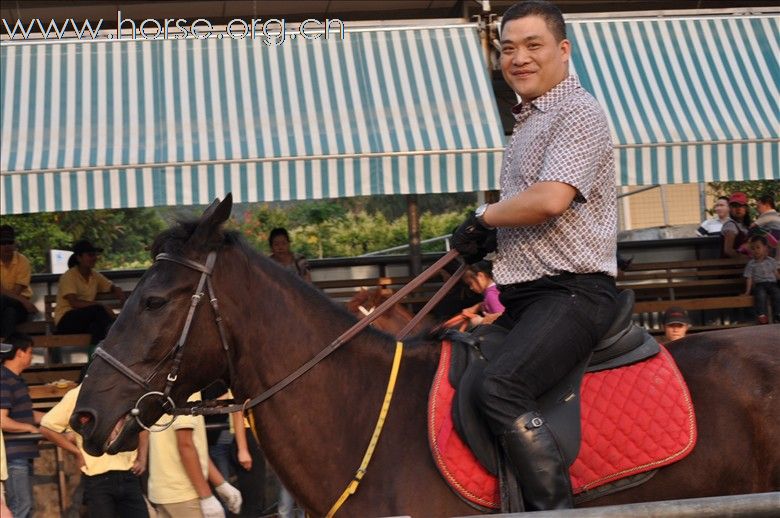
point(734, 390)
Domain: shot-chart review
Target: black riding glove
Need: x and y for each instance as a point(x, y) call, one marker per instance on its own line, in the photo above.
point(473, 240)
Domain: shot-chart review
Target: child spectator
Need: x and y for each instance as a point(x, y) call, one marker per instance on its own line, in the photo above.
point(180, 471)
point(482, 282)
point(762, 275)
point(111, 483)
point(15, 292)
point(17, 417)
point(676, 324)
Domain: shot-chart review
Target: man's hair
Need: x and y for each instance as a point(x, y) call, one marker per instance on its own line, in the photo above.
point(279, 231)
point(18, 341)
point(767, 199)
point(551, 14)
point(759, 239)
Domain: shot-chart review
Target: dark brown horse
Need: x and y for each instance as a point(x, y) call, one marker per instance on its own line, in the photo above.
point(315, 431)
point(365, 301)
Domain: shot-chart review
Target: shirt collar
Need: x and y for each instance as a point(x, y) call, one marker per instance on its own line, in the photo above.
point(549, 99)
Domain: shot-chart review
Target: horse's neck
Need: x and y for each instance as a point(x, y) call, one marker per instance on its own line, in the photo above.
point(311, 424)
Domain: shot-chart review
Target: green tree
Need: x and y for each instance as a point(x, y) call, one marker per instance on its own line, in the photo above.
point(124, 234)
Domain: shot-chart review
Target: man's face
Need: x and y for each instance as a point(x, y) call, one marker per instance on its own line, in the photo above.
point(25, 357)
point(675, 331)
point(88, 259)
point(721, 208)
point(7, 251)
point(737, 211)
point(280, 245)
point(532, 61)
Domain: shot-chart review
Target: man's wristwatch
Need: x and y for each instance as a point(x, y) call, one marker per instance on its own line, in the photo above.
point(480, 215)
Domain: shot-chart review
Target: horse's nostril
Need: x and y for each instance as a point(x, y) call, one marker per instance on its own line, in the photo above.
point(84, 418)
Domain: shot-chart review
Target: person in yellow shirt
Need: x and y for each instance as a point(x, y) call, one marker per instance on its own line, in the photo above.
point(112, 486)
point(4, 511)
point(15, 292)
point(76, 310)
point(180, 471)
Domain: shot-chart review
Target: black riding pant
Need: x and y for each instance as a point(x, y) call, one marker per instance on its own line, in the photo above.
point(95, 320)
point(115, 493)
point(12, 312)
point(555, 322)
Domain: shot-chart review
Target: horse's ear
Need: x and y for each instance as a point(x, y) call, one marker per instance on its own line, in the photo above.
point(212, 219)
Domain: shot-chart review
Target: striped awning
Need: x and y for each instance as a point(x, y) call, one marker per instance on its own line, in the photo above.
point(113, 124)
point(689, 99)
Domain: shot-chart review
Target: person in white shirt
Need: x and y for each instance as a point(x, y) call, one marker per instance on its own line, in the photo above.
point(712, 227)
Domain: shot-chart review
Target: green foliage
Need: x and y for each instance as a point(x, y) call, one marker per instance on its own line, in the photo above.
point(753, 189)
point(124, 234)
point(329, 229)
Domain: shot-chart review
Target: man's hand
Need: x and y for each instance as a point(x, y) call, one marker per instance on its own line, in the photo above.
point(211, 508)
point(473, 240)
point(231, 496)
point(244, 458)
point(139, 466)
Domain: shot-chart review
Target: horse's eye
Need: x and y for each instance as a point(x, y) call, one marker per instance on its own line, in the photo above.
point(155, 302)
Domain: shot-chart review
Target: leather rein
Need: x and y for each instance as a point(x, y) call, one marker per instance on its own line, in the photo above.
point(205, 287)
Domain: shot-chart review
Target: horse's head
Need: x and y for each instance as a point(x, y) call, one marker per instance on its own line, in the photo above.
point(137, 369)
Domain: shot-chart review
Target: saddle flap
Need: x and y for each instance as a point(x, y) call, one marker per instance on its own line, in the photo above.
point(560, 405)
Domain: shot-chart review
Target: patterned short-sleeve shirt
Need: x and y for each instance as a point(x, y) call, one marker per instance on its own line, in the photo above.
point(561, 136)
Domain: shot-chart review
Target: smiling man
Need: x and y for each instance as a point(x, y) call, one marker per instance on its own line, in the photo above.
point(556, 241)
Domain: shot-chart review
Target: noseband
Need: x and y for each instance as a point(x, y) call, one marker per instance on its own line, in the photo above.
point(178, 350)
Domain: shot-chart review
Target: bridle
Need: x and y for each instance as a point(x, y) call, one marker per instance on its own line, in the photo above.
point(204, 288)
point(222, 406)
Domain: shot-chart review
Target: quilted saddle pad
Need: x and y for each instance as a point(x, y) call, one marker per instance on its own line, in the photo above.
point(634, 419)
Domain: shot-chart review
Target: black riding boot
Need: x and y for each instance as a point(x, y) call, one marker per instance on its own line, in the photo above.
point(539, 466)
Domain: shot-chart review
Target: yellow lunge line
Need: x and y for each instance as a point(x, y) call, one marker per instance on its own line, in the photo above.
point(352, 487)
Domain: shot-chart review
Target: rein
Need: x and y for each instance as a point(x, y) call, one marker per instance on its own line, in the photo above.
point(220, 407)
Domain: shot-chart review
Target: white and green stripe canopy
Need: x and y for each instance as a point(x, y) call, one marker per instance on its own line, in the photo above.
point(689, 99)
point(178, 122)
point(143, 123)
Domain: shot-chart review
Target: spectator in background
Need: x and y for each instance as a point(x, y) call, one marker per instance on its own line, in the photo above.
point(676, 324)
point(713, 226)
point(76, 310)
point(279, 241)
point(762, 275)
point(15, 292)
point(111, 483)
point(4, 511)
point(769, 220)
point(17, 417)
point(180, 471)
point(236, 454)
point(735, 231)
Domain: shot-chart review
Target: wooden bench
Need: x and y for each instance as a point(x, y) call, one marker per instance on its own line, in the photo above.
point(713, 285)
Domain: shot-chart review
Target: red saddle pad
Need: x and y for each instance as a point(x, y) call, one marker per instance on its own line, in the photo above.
point(634, 419)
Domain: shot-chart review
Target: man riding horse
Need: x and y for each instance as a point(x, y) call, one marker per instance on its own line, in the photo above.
point(556, 240)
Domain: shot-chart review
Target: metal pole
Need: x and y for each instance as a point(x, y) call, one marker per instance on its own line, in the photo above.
point(755, 505)
point(413, 219)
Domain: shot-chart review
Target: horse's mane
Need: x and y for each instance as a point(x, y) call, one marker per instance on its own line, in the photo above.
point(175, 240)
